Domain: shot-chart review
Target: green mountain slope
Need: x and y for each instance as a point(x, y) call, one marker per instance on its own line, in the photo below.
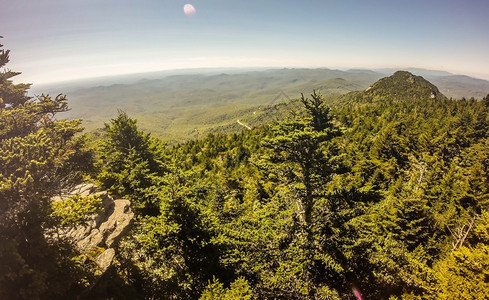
point(401, 86)
point(451, 85)
point(296, 211)
point(182, 106)
point(385, 195)
point(178, 106)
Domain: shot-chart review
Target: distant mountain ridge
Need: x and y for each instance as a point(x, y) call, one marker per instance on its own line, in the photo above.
point(452, 85)
point(178, 106)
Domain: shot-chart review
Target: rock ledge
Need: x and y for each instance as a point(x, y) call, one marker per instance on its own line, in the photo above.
point(99, 237)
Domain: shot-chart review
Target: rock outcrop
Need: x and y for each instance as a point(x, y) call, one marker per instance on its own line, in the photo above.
point(99, 237)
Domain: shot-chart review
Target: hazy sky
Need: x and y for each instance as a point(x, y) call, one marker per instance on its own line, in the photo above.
point(52, 40)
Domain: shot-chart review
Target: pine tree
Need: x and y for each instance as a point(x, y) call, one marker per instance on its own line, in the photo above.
point(302, 162)
point(298, 149)
point(131, 162)
point(39, 157)
point(177, 253)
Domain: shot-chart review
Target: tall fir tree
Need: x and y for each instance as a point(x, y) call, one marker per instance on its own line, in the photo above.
point(131, 163)
point(39, 157)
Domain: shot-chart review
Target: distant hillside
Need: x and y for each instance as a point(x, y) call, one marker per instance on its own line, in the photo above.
point(401, 86)
point(451, 85)
point(179, 106)
point(459, 86)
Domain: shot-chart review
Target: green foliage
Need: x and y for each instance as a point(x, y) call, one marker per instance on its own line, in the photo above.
point(76, 210)
point(238, 290)
point(177, 245)
point(180, 107)
point(403, 86)
point(190, 106)
point(131, 162)
point(384, 194)
point(278, 234)
point(39, 157)
point(297, 146)
point(302, 212)
point(302, 209)
point(463, 273)
point(416, 158)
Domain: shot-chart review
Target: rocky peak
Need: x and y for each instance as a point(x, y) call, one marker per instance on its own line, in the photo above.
point(403, 85)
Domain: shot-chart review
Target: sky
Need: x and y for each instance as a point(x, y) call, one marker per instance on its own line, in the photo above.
point(60, 40)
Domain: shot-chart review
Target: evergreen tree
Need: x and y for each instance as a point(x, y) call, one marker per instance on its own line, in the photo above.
point(39, 157)
point(131, 162)
point(176, 250)
point(301, 162)
point(298, 150)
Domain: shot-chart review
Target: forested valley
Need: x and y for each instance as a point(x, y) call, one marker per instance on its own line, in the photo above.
point(379, 194)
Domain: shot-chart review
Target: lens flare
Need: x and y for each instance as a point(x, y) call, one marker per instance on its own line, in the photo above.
point(189, 10)
point(357, 293)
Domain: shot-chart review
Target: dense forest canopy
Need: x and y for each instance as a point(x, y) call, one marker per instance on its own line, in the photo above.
point(39, 157)
point(381, 194)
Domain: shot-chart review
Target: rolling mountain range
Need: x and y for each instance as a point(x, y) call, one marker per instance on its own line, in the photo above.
point(383, 190)
point(181, 106)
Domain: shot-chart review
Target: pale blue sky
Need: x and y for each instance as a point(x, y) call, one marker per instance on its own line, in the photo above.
point(53, 40)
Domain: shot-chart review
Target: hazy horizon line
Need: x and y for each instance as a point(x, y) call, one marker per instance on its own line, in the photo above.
point(201, 70)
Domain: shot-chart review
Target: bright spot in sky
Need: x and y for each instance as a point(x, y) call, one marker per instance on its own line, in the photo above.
point(189, 10)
